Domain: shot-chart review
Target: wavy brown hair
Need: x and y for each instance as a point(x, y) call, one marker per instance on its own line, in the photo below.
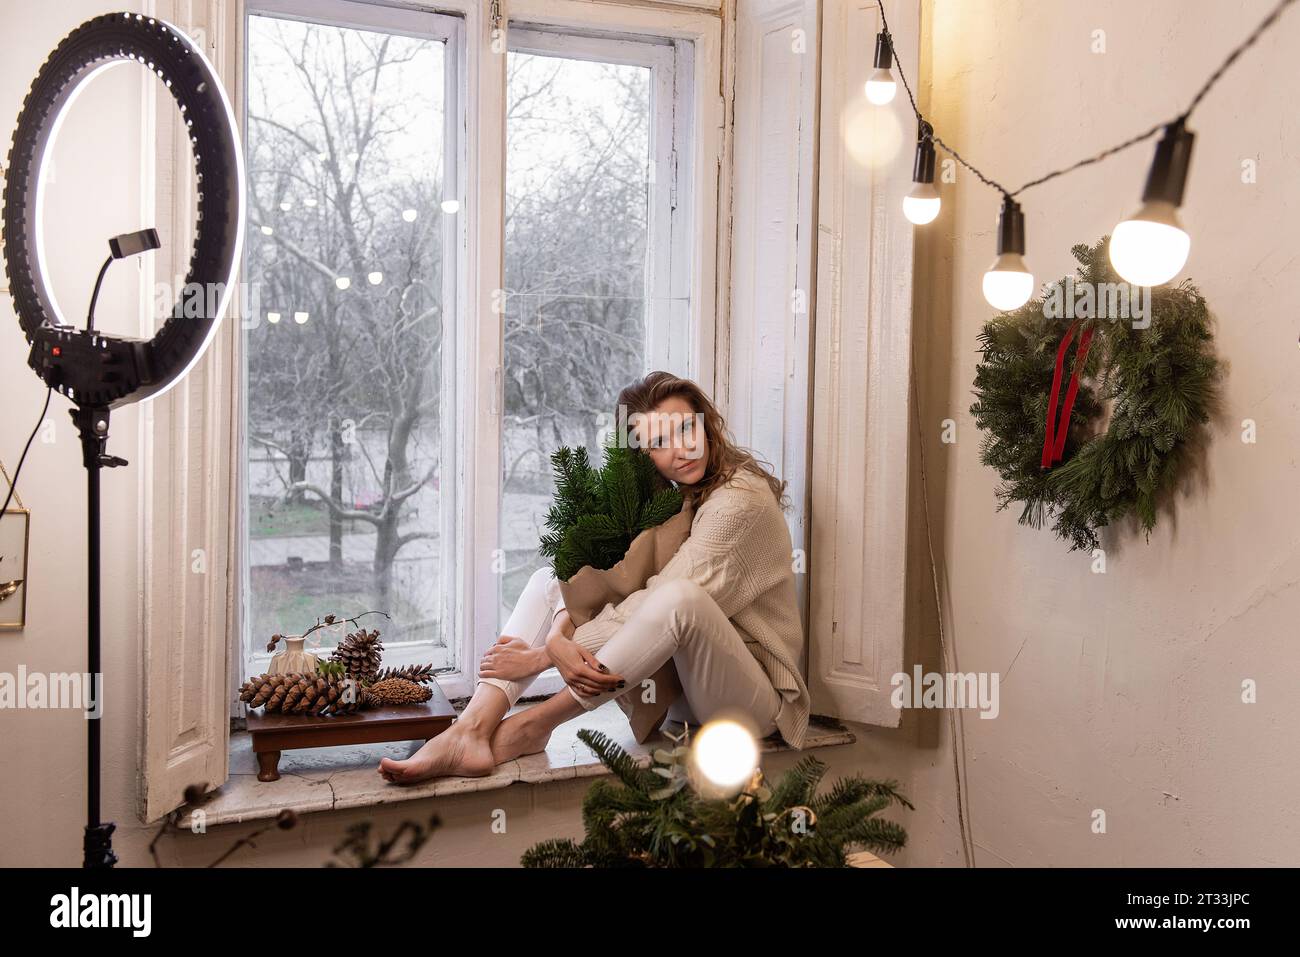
point(725, 456)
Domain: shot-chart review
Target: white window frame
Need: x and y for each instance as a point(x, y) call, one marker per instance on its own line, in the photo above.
point(449, 30)
point(191, 439)
point(704, 136)
point(862, 378)
point(668, 321)
point(773, 245)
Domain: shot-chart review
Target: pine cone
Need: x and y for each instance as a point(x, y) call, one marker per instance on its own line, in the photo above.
point(305, 694)
point(399, 691)
point(420, 674)
point(360, 653)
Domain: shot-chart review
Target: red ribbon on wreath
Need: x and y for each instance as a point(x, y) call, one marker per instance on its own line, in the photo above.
point(1054, 436)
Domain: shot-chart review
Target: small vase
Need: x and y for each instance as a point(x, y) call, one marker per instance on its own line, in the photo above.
point(294, 659)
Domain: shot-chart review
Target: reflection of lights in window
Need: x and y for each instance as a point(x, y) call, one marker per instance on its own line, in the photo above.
point(343, 282)
point(286, 206)
point(300, 317)
point(375, 278)
point(309, 202)
point(409, 215)
point(451, 206)
point(267, 230)
point(272, 317)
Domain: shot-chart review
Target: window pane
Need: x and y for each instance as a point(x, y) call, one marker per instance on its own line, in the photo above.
point(345, 147)
point(578, 176)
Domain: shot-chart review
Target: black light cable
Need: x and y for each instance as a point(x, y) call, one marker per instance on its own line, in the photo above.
point(13, 480)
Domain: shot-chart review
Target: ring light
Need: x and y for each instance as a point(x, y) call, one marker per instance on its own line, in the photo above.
point(101, 372)
point(105, 371)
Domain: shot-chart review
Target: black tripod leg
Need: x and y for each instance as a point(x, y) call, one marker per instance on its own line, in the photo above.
point(98, 841)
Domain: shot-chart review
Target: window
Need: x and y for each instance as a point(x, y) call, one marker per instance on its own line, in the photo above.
point(596, 268)
point(364, 486)
point(353, 235)
point(313, 395)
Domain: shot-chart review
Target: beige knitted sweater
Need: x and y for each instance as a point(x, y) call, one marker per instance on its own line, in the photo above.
point(739, 551)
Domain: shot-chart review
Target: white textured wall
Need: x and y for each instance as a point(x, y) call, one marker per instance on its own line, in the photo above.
point(1125, 692)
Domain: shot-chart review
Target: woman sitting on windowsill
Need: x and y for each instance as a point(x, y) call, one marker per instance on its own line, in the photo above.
point(723, 609)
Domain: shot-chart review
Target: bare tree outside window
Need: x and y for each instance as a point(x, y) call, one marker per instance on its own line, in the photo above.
point(578, 176)
point(345, 150)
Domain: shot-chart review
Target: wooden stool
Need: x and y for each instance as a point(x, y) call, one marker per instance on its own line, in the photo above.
point(274, 733)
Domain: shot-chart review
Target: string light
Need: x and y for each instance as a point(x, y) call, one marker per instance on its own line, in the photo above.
point(1008, 284)
point(1150, 247)
point(375, 278)
point(343, 282)
point(880, 87)
point(409, 215)
point(1147, 249)
point(921, 205)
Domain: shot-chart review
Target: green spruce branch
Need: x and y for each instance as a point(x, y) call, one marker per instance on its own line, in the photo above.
point(596, 513)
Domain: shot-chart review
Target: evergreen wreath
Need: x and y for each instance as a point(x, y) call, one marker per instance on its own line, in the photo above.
point(597, 513)
point(1158, 384)
point(653, 817)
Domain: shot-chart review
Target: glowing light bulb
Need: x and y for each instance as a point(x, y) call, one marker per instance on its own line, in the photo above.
point(375, 278)
point(267, 230)
point(1008, 284)
point(286, 206)
point(880, 87)
point(921, 205)
point(300, 318)
point(409, 215)
point(1150, 247)
point(343, 282)
point(272, 317)
point(309, 202)
point(450, 206)
point(726, 753)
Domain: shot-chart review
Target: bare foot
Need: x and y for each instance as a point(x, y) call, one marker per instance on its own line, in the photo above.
point(455, 752)
point(516, 736)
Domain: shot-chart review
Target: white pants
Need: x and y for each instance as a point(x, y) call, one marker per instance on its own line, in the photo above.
point(719, 675)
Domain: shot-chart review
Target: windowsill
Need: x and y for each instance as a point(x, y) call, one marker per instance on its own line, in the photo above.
point(326, 779)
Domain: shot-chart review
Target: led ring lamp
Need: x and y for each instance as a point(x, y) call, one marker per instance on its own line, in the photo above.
point(101, 372)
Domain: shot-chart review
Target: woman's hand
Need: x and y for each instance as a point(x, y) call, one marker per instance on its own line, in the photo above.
point(579, 667)
point(512, 659)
